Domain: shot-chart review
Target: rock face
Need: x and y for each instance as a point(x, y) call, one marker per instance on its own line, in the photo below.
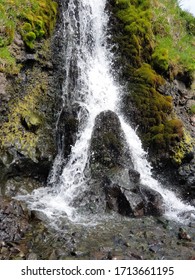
point(183, 98)
point(27, 108)
point(14, 220)
point(115, 185)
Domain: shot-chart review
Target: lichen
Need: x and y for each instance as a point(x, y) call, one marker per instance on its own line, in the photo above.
point(20, 136)
point(183, 148)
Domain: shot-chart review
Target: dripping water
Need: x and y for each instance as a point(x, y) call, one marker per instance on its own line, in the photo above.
point(89, 83)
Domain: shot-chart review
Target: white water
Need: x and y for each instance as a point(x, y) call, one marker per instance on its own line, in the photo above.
point(95, 90)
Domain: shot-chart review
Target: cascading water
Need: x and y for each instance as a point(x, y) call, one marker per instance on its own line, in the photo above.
point(94, 89)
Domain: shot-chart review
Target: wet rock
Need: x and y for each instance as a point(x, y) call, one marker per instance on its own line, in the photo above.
point(186, 175)
point(20, 186)
point(67, 128)
point(116, 199)
point(183, 235)
point(32, 256)
point(14, 220)
point(111, 166)
point(108, 149)
point(153, 202)
point(154, 248)
point(134, 176)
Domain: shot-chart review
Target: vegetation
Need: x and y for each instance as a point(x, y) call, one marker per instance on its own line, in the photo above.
point(192, 110)
point(25, 25)
point(25, 119)
point(174, 31)
point(33, 19)
point(156, 40)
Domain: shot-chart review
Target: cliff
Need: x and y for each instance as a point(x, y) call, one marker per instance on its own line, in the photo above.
point(27, 88)
point(154, 51)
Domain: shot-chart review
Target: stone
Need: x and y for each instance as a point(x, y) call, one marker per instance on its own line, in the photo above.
point(67, 129)
point(108, 148)
point(153, 201)
point(14, 220)
point(134, 176)
point(116, 199)
point(32, 256)
point(192, 120)
point(182, 234)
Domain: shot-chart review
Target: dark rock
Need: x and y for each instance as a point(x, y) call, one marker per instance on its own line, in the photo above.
point(112, 167)
point(66, 129)
point(186, 175)
point(154, 248)
point(116, 199)
point(14, 220)
point(20, 186)
point(32, 256)
point(108, 149)
point(136, 202)
point(134, 176)
point(92, 200)
point(183, 235)
point(152, 201)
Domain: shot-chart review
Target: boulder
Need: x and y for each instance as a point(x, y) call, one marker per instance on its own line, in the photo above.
point(108, 149)
point(117, 181)
point(116, 199)
point(153, 203)
point(133, 203)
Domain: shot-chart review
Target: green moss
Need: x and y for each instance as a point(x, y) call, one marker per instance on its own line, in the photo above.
point(189, 21)
point(29, 39)
point(149, 75)
point(160, 60)
point(174, 32)
point(33, 19)
point(155, 42)
point(23, 128)
point(135, 20)
point(192, 110)
point(8, 62)
point(183, 148)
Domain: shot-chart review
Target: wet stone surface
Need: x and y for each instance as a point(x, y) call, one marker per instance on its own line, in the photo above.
point(114, 238)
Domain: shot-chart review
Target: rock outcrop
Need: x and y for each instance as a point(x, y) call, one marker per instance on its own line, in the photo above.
point(114, 184)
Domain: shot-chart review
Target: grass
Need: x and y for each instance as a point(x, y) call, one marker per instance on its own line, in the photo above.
point(32, 19)
point(174, 31)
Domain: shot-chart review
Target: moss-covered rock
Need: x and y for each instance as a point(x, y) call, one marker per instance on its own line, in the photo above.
point(27, 90)
point(145, 64)
point(27, 122)
point(32, 19)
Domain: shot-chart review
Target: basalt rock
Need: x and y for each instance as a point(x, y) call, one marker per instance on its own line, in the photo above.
point(14, 220)
point(117, 181)
point(27, 109)
point(108, 149)
point(133, 202)
point(67, 128)
point(153, 203)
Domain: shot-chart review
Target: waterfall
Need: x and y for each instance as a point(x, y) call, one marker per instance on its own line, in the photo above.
point(93, 87)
